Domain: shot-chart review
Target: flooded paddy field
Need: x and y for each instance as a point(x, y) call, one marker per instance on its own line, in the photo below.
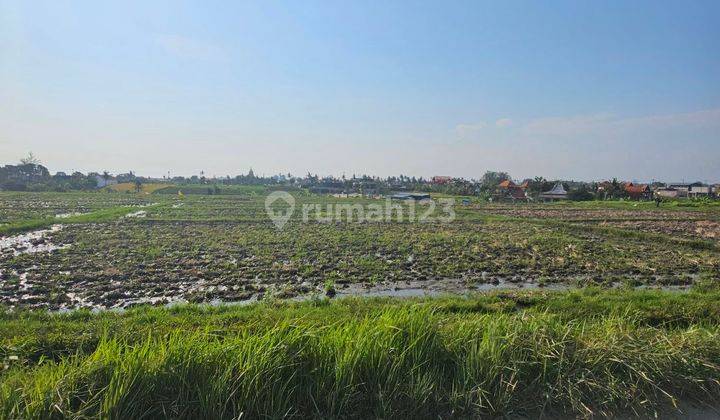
point(705, 229)
point(224, 249)
point(204, 295)
point(16, 206)
point(628, 211)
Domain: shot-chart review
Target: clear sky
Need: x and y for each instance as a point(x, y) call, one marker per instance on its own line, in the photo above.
point(576, 90)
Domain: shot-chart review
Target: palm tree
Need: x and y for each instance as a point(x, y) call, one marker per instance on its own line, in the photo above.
point(31, 159)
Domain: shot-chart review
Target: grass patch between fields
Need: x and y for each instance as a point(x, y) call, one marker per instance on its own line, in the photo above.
point(98, 216)
point(572, 353)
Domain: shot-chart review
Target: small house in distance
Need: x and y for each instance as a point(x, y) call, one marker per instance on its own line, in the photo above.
point(441, 180)
point(103, 181)
point(694, 190)
point(638, 192)
point(666, 192)
point(698, 190)
point(555, 194)
point(509, 191)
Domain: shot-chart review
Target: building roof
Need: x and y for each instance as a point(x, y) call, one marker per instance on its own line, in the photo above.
point(636, 189)
point(685, 185)
point(517, 193)
point(506, 184)
point(442, 179)
point(557, 190)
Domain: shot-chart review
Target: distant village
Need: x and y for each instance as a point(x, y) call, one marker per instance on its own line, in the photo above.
point(507, 190)
point(30, 175)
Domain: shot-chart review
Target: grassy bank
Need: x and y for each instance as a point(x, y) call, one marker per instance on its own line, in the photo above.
point(130, 187)
point(571, 353)
point(98, 216)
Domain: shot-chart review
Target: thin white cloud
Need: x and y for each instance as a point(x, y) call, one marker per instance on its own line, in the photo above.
point(468, 130)
point(503, 122)
point(573, 125)
point(189, 48)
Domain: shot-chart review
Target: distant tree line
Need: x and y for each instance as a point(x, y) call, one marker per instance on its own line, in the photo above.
point(31, 175)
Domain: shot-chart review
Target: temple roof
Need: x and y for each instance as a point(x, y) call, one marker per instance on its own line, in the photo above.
point(558, 189)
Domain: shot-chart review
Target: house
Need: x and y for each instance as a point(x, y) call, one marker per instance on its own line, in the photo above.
point(693, 190)
point(681, 188)
point(698, 190)
point(103, 181)
point(506, 184)
point(509, 191)
point(638, 191)
point(555, 194)
point(441, 180)
point(610, 189)
point(666, 192)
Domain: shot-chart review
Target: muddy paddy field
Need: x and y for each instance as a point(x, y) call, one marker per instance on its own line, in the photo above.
point(494, 321)
point(115, 250)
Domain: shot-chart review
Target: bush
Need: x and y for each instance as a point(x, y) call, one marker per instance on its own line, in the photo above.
point(581, 195)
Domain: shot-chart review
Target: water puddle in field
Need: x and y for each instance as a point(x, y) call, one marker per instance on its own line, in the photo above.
point(26, 295)
point(68, 215)
point(140, 213)
point(439, 287)
point(30, 242)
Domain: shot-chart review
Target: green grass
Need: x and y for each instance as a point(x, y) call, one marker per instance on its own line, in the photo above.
point(99, 216)
point(617, 232)
point(130, 187)
point(679, 204)
point(18, 206)
point(504, 354)
point(25, 225)
point(213, 189)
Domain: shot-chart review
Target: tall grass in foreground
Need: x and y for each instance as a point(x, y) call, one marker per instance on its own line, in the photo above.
point(404, 362)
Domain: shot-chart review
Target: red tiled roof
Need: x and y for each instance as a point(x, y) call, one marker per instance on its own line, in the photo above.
point(506, 184)
point(441, 179)
point(636, 189)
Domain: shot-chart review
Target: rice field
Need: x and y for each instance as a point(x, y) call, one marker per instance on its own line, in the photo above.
point(119, 250)
point(122, 305)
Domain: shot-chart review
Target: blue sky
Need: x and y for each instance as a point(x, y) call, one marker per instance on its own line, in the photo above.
point(577, 90)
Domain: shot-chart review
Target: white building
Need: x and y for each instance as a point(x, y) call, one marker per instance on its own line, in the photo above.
point(102, 182)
